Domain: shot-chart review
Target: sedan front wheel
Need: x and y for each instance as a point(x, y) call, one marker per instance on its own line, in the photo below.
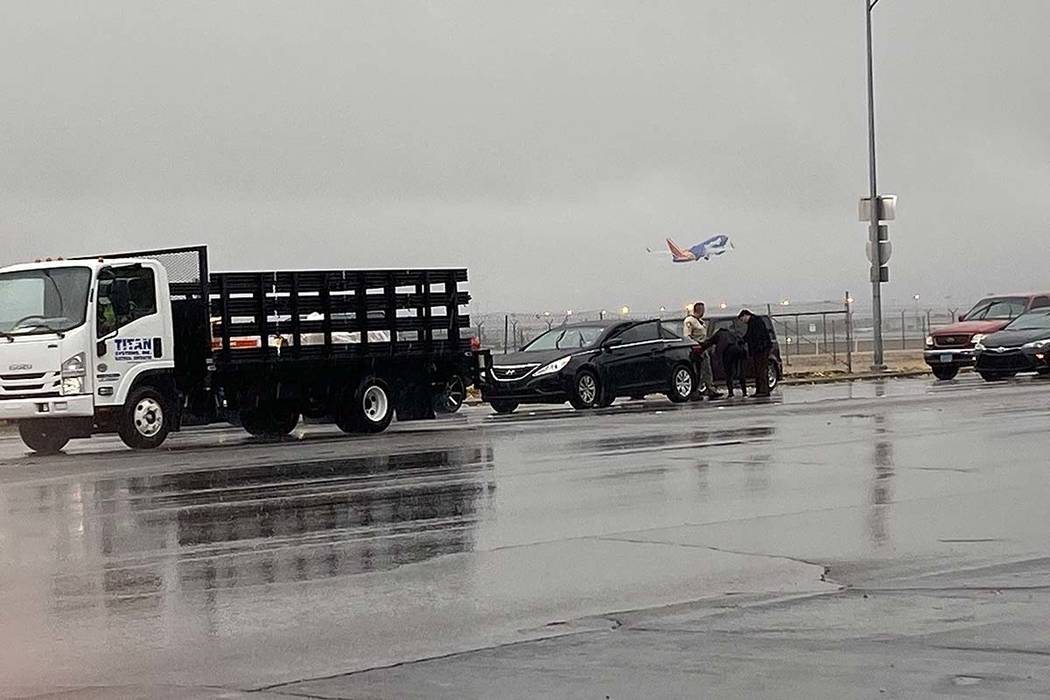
point(586, 391)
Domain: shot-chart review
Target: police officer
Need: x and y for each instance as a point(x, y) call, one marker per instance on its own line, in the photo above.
point(695, 328)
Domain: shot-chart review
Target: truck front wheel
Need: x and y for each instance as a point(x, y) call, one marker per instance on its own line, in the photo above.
point(369, 409)
point(44, 437)
point(145, 421)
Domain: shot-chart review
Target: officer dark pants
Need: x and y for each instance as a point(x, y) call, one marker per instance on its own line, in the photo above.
point(760, 369)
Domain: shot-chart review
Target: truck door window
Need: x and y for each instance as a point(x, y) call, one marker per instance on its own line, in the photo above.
point(1041, 303)
point(125, 294)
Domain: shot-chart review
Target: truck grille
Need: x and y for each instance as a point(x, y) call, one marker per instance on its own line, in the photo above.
point(30, 385)
point(960, 340)
point(1010, 360)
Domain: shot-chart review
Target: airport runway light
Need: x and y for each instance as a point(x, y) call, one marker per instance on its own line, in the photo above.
point(625, 310)
point(568, 312)
point(786, 302)
point(663, 309)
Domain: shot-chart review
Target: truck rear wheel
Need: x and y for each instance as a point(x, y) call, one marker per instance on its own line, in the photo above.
point(270, 419)
point(369, 410)
point(145, 420)
point(45, 437)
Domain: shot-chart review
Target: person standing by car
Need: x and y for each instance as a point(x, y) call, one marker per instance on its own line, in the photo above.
point(695, 328)
point(732, 353)
point(759, 345)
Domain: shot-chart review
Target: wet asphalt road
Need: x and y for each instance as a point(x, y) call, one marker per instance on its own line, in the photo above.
point(532, 547)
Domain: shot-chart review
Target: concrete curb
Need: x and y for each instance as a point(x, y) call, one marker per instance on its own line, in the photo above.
point(857, 376)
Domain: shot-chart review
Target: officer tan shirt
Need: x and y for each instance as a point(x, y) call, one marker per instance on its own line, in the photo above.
point(694, 328)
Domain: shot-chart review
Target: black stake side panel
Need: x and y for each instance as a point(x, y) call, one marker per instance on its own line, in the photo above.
point(281, 316)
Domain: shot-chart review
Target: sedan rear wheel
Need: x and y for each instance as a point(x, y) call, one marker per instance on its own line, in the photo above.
point(682, 384)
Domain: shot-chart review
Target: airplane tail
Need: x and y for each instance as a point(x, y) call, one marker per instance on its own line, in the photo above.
point(677, 251)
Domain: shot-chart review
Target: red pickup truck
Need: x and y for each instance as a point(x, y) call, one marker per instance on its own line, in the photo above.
point(950, 348)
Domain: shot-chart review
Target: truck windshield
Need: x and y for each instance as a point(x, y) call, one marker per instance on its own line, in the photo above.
point(43, 301)
point(997, 309)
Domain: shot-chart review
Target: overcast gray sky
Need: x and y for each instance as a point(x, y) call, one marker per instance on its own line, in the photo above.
point(542, 144)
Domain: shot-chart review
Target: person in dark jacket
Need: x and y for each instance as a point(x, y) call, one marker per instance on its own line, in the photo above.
point(732, 353)
point(759, 345)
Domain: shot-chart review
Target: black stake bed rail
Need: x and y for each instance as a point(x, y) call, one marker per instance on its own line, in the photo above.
point(285, 315)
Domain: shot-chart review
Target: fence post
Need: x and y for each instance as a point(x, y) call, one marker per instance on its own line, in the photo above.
point(834, 344)
point(506, 334)
point(849, 336)
point(904, 335)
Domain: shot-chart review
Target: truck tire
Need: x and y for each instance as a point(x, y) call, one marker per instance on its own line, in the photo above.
point(270, 419)
point(945, 372)
point(145, 420)
point(683, 384)
point(504, 407)
point(451, 397)
point(370, 409)
point(45, 437)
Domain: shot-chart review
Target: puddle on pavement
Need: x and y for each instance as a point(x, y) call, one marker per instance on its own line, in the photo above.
point(135, 540)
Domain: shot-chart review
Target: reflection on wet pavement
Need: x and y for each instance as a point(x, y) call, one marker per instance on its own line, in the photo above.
point(139, 537)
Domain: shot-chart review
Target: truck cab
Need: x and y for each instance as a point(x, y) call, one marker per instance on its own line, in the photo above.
point(77, 339)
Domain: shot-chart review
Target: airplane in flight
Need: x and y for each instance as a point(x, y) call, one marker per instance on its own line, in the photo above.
point(715, 245)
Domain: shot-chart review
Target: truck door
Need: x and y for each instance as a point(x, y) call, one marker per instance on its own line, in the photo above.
point(132, 324)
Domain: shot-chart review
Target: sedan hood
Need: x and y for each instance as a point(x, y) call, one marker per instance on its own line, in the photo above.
point(533, 357)
point(971, 327)
point(1014, 339)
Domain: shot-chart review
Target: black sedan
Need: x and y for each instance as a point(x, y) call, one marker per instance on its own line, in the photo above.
point(1023, 346)
point(590, 365)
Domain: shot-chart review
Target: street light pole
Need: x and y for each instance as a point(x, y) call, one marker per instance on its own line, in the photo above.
point(877, 362)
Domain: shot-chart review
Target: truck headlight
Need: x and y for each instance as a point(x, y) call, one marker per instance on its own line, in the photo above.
point(556, 366)
point(72, 385)
point(976, 340)
point(73, 372)
point(929, 341)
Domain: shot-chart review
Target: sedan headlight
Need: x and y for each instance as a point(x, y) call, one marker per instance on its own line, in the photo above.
point(556, 366)
point(1037, 344)
point(73, 372)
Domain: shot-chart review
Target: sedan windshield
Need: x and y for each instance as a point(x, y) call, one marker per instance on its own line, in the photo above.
point(574, 337)
point(997, 309)
point(43, 301)
point(1035, 321)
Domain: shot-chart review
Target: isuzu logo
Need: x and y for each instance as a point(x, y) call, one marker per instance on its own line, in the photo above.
point(20, 367)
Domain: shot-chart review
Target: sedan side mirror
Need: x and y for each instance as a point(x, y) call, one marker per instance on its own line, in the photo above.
point(611, 344)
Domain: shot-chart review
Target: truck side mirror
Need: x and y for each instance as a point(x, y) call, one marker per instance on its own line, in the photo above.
point(100, 348)
point(962, 317)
